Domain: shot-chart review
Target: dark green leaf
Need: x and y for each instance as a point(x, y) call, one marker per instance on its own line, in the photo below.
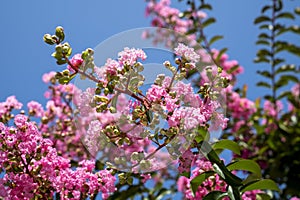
point(262, 18)
point(263, 52)
point(264, 36)
point(264, 26)
point(198, 180)
point(286, 15)
point(265, 8)
point(245, 165)
point(233, 69)
point(215, 195)
point(208, 22)
point(265, 74)
point(279, 6)
point(295, 29)
point(221, 52)
point(205, 6)
point(284, 80)
point(215, 38)
point(263, 84)
point(263, 42)
point(61, 62)
point(261, 59)
point(265, 184)
point(285, 68)
point(297, 10)
point(227, 144)
point(277, 61)
point(284, 94)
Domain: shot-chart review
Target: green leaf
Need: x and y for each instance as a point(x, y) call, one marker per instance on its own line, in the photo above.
point(215, 38)
point(221, 52)
point(297, 11)
point(295, 29)
point(64, 80)
point(262, 18)
point(245, 165)
point(285, 68)
point(215, 195)
point(205, 6)
point(263, 42)
point(185, 174)
point(286, 15)
point(263, 52)
point(263, 196)
point(263, 84)
point(208, 22)
point(261, 59)
point(264, 36)
point(277, 61)
point(233, 193)
point(235, 67)
point(284, 80)
point(227, 144)
point(265, 73)
point(279, 6)
point(265, 8)
point(198, 180)
point(219, 171)
point(284, 94)
point(265, 184)
point(264, 26)
point(61, 62)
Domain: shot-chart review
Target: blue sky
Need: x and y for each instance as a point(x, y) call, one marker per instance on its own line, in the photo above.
point(25, 57)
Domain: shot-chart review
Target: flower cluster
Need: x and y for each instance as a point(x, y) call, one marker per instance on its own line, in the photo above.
point(33, 168)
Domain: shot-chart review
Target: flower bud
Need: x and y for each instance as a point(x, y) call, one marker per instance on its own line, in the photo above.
point(48, 39)
point(59, 32)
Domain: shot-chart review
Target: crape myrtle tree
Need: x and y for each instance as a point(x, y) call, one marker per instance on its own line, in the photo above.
point(52, 151)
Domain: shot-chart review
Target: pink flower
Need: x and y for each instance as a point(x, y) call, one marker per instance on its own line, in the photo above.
point(271, 109)
point(130, 56)
point(20, 120)
point(185, 161)
point(187, 53)
point(36, 108)
point(76, 62)
point(48, 76)
point(146, 177)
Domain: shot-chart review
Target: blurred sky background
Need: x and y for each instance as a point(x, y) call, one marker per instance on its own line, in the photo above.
point(25, 57)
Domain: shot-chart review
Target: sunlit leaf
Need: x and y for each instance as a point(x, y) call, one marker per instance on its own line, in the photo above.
point(265, 184)
point(245, 165)
point(227, 144)
point(198, 180)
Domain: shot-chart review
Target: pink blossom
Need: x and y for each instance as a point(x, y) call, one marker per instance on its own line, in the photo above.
point(35, 108)
point(20, 120)
point(146, 177)
point(130, 56)
point(271, 109)
point(76, 61)
point(187, 53)
point(185, 161)
point(48, 76)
